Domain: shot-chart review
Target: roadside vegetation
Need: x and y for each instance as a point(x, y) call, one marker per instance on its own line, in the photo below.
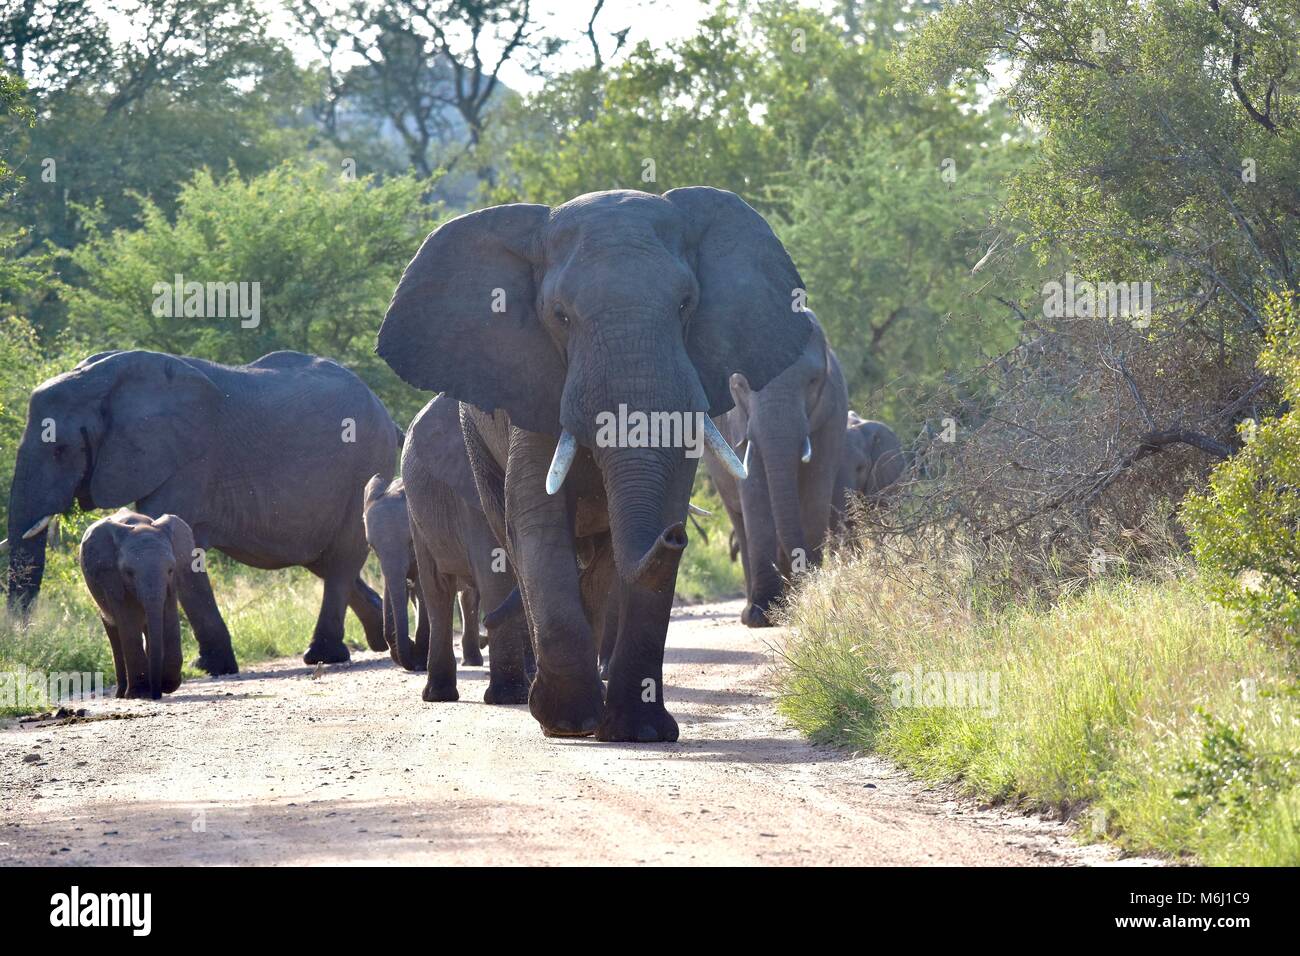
point(1133, 704)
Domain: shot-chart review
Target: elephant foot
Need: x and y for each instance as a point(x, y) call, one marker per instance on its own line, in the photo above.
point(639, 723)
point(376, 642)
point(140, 692)
point(470, 655)
point(566, 708)
point(503, 690)
point(754, 616)
point(120, 692)
point(439, 691)
point(216, 663)
point(326, 654)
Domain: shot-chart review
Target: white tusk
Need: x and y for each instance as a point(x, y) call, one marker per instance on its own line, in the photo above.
point(37, 528)
point(565, 449)
point(722, 448)
point(695, 509)
point(748, 446)
point(4, 546)
point(807, 451)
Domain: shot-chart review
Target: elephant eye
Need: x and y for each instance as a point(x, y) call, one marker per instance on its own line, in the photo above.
point(686, 304)
point(561, 316)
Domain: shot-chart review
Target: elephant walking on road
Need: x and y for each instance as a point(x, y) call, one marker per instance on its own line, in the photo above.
point(131, 563)
point(544, 322)
point(792, 433)
point(456, 550)
point(266, 462)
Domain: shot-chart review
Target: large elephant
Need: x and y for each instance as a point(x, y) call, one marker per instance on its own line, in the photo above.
point(792, 432)
point(130, 563)
point(266, 462)
point(456, 550)
point(871, 463)
point(548, 323)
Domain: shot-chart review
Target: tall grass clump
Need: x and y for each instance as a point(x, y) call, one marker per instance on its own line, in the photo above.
point(1131, 702)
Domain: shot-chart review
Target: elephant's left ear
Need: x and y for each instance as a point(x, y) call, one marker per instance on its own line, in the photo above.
point(750, 316)
point(182, 537)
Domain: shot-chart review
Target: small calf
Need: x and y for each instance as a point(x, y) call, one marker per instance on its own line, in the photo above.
point(130, 562)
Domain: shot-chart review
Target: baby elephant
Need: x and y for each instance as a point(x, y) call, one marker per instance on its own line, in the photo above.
point(871, 464)
point(388, 532)
point(130, 563)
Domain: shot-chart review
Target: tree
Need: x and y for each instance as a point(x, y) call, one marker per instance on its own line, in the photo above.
point(1165, 164)
point(430, 68)
point(315, 254)
point(785, 106)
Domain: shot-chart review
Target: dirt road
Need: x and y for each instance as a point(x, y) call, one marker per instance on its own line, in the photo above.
point(282, 765)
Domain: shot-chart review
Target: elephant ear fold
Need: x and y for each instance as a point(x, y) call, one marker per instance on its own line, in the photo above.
point(158, 415)
point(182, 538)
point(463, 319)
point(750, 315)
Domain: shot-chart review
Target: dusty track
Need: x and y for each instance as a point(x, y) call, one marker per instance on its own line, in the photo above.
point(284, 766)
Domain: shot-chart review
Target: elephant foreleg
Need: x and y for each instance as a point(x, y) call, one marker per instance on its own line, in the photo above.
point(634, 707)
point(119, 662)
point(439, 593)
point(421, 618)
point(566, 696)
point(216, 655)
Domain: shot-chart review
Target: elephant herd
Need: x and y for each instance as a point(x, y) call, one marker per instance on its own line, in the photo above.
point(531, 323)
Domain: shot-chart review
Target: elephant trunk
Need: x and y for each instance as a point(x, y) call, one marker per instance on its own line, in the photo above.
point(396, 619)
point(27, 513)
point(781, 466)
point(647, 546)
point(153, 599)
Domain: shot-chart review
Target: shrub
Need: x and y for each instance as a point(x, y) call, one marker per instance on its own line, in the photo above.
point(1245, 528)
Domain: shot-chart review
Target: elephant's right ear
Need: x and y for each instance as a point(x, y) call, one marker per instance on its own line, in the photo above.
point(463, 319)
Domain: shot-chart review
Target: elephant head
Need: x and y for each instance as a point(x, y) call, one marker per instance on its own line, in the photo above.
point(791, 431)
point(614, 299)
point(107, 433)
point(872, 460)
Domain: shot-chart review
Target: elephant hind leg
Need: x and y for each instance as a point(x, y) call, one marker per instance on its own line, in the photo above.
point(369, 609)
point(470, 647)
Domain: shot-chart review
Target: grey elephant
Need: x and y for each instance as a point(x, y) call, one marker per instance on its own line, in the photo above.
point(388, 532)
point(792, 433)
point(871, 464)
point(456, 550)
point(131, 563)
point(551, 325)
point(266, 462)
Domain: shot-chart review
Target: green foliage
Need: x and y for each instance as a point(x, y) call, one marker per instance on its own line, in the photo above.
point(1245, 528)
point(326, 253)
point(1169, 136)
point(1230, 777)
point(783, 104)
point(1094, 706)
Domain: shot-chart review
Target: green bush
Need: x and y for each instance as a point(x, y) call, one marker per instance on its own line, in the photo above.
point(325, 252)
point(1245, 529)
